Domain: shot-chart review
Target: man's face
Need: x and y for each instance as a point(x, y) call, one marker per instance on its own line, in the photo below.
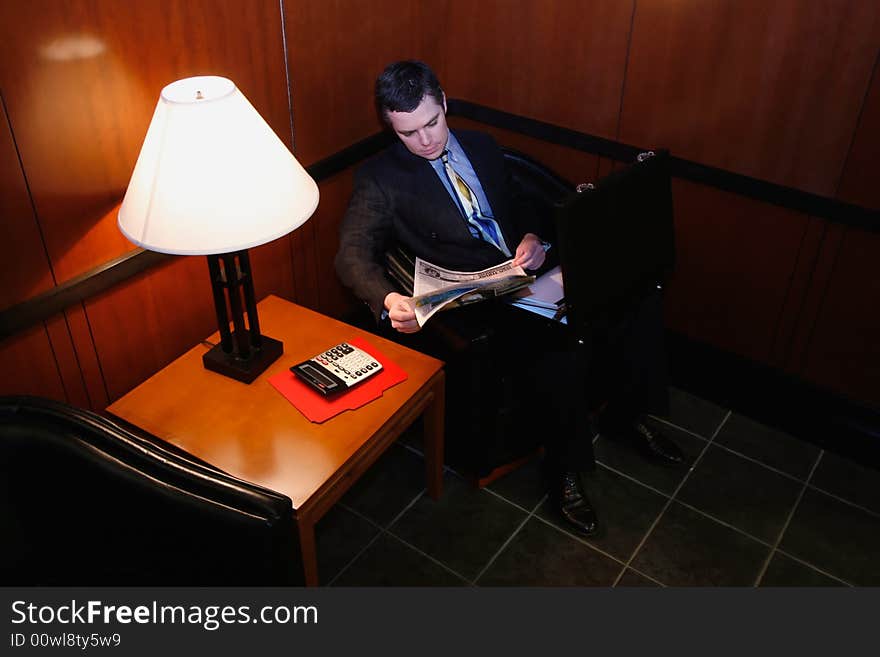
point(423, 131)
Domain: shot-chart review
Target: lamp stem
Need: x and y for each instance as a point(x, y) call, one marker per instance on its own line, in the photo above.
point(244, 353)
point(250, 300)
point(234, 282)
point(218, 283)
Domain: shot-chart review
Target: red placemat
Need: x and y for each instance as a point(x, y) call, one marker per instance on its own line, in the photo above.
point(318, 408)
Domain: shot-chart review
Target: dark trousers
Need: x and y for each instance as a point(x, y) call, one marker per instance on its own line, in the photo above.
point(625, 359)
point(516, 380)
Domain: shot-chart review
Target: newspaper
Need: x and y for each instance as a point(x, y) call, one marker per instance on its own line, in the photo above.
point(436, 288)
point(546, 297)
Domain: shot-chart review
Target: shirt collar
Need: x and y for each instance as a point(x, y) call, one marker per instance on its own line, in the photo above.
point(454, 148)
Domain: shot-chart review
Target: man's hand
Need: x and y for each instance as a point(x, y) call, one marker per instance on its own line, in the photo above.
point(401, 313)
point(530, 252)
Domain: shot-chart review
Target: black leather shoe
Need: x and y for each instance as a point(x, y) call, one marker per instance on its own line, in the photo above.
point(574, 505)
point(655, 445)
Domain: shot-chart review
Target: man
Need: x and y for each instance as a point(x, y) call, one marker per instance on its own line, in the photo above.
point(448, 199)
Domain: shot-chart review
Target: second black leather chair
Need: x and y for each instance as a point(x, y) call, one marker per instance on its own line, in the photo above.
point(88, 502)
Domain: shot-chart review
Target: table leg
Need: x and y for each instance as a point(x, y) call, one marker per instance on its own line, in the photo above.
point(309, 553)
point(433, 437)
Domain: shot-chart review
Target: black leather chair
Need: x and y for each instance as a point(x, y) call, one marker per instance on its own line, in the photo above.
point(606, 270)
point(85, 501)
point(485, 440)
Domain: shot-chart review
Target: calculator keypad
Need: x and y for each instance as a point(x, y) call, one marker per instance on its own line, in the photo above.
point(348, 363)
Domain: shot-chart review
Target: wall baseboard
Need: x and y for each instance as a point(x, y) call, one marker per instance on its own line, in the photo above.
point(774, 398)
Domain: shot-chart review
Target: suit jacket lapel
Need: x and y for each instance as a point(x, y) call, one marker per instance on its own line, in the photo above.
point(439, 206)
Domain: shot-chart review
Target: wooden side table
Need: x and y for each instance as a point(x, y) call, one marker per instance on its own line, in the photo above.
point(254, 433)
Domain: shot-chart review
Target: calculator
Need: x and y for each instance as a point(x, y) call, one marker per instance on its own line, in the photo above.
point(338, 369)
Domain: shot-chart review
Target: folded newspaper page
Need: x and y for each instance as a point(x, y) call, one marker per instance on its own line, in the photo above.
point(436, 289)
point(545, 297)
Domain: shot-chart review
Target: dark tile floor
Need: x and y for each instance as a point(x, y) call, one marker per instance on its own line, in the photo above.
point(752, 507)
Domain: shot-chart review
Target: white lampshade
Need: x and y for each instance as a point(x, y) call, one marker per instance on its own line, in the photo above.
point(212, 177)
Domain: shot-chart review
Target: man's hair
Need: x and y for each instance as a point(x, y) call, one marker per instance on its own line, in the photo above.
point(403, 85)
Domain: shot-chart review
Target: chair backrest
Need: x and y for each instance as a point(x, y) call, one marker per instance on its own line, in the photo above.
point(536, 178)
point(616, 238)
point(541, 186)
point(85, 501)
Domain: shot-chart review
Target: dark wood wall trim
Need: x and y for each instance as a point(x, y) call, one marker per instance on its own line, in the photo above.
point(350, 155)
point(761, 190)
point(43, 306)
point(27, 313)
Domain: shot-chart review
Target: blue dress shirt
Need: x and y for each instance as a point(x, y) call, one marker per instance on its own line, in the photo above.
point(465, 169)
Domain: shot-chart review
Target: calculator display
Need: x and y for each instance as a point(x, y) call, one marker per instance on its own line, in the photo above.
point(337, 369)
point(315, 372)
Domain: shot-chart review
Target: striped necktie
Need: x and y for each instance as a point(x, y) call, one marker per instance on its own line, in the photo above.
point(481, 226)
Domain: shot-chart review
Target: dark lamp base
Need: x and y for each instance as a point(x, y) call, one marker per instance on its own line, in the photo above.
point(243, 369)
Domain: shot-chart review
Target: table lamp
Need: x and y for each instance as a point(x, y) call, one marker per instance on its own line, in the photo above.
point(213, 179)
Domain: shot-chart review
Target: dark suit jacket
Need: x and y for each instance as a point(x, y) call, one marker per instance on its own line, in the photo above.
point(398, 198)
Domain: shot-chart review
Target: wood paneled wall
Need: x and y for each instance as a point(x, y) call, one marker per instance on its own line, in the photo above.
point(771, 89)
point(28, 272)
point(335, 49)
point(786, 91)
point(80, 80)
point(563, 62)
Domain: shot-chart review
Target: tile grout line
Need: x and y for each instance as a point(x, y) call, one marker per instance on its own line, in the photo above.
point(696, 510)
point(531, 514)
point(755, 460)
point(580, 539)
point(797, 502)
point(388, 532)
point(509, 538)
point(356, 556)
point(685, 430)
point(501, 497)
point(746, 457)
point(724, 523)
point(671, 498)
point(420, 454)
point(774, 547)
point(428, 556)
point(639, 572)
point(787, 475)
point(834, 496)
point(583, 540)
point(376, 537)
point(761, 463)
point(411, 504)
point(817, 569)
point(414, 450)
point(624, 475)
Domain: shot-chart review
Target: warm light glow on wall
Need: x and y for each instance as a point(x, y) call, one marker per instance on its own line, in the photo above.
point(76, 46)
